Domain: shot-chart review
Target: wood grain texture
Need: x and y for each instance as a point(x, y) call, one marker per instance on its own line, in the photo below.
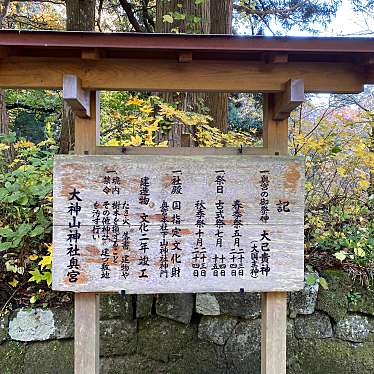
point(86, 333)
point(289, 99)
point(179, 151)
point(273, 332)
point(274, 304)
point(242, 174)
point(75, 96)
point(86, 306)
point(166, 75)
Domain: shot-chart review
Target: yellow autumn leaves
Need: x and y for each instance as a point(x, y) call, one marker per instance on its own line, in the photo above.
point(146, 122)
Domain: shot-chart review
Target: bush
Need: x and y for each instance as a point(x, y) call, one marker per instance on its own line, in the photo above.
point(26, 211)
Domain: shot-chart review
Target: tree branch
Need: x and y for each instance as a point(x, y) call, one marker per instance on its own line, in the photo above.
point(127, 7)
point(30, 107)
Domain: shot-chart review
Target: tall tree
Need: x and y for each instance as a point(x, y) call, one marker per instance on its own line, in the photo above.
point(80, 16)
point(262, 15)
point(4, 120)
point(220, 23)
point(187, 16)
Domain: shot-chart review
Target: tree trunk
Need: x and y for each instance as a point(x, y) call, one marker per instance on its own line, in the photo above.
point(4, 120)
point(80, 16)
point(215, 17)
point(220, 23)
point(8, 154)
point(190, 101)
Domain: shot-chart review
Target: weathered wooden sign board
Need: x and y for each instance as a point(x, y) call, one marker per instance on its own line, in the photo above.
point(160, 224)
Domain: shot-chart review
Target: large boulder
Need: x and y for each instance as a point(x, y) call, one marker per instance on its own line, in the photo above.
point(178, 307)
point(115, 306)
point(55, 356)
point(64, 323)
point(162, 339)
point(216, 329)
point(32, 325)
point(304, 301)
point(333, 356)
point(38, 324)
point(354, 328)
point(247, 305)
point(134, 364)
point(144, 304)
point(198, 357)
point(243, 348)
point(12, 356)
point(317, 325)
point(207, 304)
point(333, 300)
point(117, 337)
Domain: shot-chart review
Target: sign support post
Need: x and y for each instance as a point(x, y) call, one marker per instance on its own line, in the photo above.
point(86, 305)
point(274, 304)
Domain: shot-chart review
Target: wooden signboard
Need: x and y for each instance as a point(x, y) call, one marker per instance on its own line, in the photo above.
point(160, 224)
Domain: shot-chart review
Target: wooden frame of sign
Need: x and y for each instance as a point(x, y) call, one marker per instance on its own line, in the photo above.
point(274, 304)
point(83, 63)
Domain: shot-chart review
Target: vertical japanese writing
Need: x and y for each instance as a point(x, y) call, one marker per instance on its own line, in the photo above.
point(164, 244)
point(219, 259)
point(125, 258)
point(254, 259)
point(143, 248)
point(111, 183)
point(265, 255)
point(144, 191)
point(264, 196)
point(262, 244)
point(96, 221)
point(143, 260)
point(199, 253)
point(105, 237)
point(73, 250)
point(237, 252)
point(116, 206)
point(176, 206)
point(220, 181)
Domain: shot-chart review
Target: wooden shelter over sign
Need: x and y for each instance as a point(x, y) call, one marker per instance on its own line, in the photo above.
point(178, 224)
point(282, 68)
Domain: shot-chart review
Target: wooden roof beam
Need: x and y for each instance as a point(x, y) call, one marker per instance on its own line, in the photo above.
point(289, 99)
point(76, 96)
point(276, 58)
point(4, 52)
point(91, 54)
point(169, 75)
point(185, 56)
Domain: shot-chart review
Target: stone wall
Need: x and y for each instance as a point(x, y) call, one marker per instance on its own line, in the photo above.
point(329, 331)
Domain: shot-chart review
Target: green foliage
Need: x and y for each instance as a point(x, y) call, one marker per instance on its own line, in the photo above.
point(354, 297)
point(267, 15)
point(312, 278)
point(26, 211)
point(32, 113)
point(339, 225)
point(245, 112)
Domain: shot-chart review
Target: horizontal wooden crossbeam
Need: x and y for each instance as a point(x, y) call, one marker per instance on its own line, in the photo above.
point(76, 96)
point(168, 75)
point(289, 100)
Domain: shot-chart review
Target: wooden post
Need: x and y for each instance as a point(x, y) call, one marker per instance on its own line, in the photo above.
point(86, 339)
point(274, 304)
